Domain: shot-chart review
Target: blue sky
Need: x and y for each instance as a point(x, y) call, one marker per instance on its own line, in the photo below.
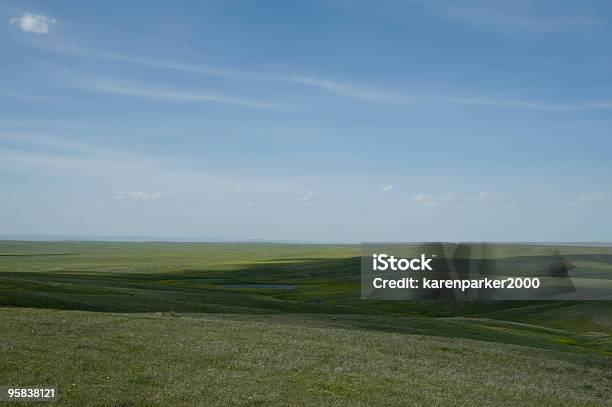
point(311, 120)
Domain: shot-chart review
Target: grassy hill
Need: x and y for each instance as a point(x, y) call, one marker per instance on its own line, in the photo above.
point(259, 324)
point(107, 359)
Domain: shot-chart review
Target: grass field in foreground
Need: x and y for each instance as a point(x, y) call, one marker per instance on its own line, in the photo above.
point(249, 324)
point(110, 359)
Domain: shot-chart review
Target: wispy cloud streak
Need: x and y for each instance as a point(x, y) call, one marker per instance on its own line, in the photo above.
point(353, 91)
point(54, 142)
point(146, 92)
point(374, 95)
point(515, 16)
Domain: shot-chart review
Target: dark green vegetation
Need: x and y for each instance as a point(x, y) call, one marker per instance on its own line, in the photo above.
point(254, 324)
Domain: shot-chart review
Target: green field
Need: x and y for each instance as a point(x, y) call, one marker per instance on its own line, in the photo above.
point(121, 324)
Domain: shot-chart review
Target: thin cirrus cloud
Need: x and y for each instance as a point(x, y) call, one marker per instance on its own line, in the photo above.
point(34, 23)
point(373, 95)
point(353, 91)
point(47, 154)
point(53, 142)
point(171, 95)
point(29, 97)
point(533, 105)
point(517, 16)
point(41, 152)
point(76, 51)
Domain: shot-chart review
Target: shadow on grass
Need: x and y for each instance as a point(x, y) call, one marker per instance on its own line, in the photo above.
point(323, 292)
point(321, 286)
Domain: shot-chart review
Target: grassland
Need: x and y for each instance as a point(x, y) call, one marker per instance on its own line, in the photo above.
point(199, 324)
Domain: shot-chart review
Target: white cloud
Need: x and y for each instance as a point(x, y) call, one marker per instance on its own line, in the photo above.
point(485, 196)
point(448, 199)
point(593, 196)
point(317, 200)
point(307, 199)
point(138, 196)
point(36, 23)
point(424, 197)
point(426, 200)
point(388, 188)
point(587, 198)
